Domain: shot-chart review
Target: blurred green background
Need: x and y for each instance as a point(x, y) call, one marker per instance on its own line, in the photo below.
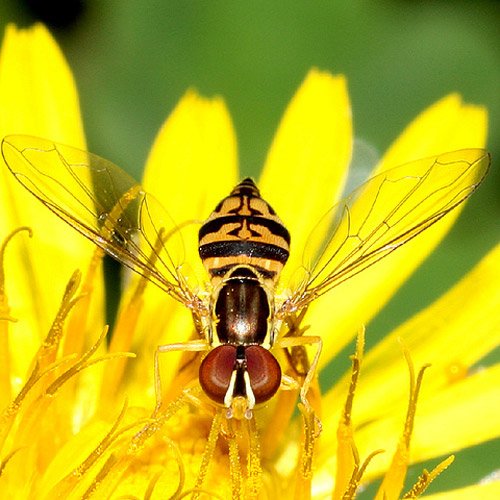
point(133, 61)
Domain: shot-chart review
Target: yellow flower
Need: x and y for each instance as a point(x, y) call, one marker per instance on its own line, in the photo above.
point(79, 413)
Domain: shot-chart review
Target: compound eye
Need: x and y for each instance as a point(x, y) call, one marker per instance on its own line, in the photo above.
point(264, 372)
point(215, 372)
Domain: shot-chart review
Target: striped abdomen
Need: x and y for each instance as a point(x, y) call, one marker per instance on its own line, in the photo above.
point(244, 229)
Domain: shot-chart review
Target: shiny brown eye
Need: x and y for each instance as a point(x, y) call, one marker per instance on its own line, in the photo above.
point(264, 372)
point(215, 372)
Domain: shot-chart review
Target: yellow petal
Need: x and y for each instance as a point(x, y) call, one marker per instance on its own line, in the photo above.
point(452, 334)
point(462, 415)
point(191, 167)
point(307, 164)
point(193, 162)
point(441, 128)
point(71, 455)
point(447, 125)
point(37, 96)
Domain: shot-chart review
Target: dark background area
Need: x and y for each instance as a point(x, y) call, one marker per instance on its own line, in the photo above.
point(133, 60)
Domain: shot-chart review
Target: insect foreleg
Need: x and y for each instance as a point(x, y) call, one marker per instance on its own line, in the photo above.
point(191, 346)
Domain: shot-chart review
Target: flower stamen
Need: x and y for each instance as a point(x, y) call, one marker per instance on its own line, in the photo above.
point(357, 473)
point(82, 362)
point(213, 436)
point(5, 319)
point(305, 461)
point(48, 350)
point(67, 484)
point(393, 481)
point(152, 484)
point(44, 361)
point(100, 477)
point(3, 247)
point(254, 468)
point(123, 333)
point(347, 453)
point(78, 320)
point(426, 478)
point(233, 435)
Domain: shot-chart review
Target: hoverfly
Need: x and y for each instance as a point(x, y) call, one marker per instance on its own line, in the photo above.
point(243, 245)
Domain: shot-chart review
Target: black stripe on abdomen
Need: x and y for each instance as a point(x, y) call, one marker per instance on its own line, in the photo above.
point(234, 248)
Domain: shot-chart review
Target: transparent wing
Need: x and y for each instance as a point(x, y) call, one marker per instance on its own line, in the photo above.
point(103, 203)
point(383, 214)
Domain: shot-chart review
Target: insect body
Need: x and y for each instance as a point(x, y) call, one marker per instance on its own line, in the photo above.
point(244, 247)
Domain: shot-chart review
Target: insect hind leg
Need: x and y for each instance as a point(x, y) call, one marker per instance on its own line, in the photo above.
point(287, 342)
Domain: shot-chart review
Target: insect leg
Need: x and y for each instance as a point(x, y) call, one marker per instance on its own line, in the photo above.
point(191, 345)
point(287, 342)
point(312, 424)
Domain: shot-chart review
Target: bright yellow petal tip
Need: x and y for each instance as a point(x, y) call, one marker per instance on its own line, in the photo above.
point(196, 149)
point(447, 125)
point(38, 94)
point(310, 155)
